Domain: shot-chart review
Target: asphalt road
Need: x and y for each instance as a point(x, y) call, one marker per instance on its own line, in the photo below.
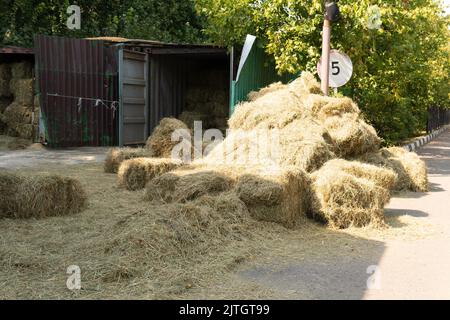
point(390, 269)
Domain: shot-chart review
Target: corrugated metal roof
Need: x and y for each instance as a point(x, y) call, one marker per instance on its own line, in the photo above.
point(152, 43)
point(16, 50)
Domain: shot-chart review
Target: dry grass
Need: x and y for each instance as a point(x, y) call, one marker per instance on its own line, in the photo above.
point(254, 95)
point(303, 143)
point(280, 196)
point(135, 173)
point(344, 197)
point(189, 117)
point(22, 90)
point(4, 88)
point(383, 177)
point(411, 170)
point(30, 196)
point(5, 71)
point(113, 239)
point(116, 156)
point(188, 183)
point(21, 70)
point(160, 142)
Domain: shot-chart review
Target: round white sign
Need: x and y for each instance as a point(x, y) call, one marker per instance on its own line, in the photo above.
point(341, 68)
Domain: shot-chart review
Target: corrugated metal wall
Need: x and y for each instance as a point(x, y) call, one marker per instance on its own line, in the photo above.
point(78, 85)
point(258, 72)
point(167, 87)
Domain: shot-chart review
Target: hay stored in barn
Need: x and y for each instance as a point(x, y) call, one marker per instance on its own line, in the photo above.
point(4, 103)
point(39, 196)
point(343, 199)
point(135, 173)
point(254, 95)
point(189, 117)
point(160, 142)
point(411, 170)
point(281, 196)
point(5, 91)
point(22, 90)
point(5, 71)
point(116, 156)
point(21, 70)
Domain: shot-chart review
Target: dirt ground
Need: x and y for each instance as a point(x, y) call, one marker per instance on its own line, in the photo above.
point(310, 262)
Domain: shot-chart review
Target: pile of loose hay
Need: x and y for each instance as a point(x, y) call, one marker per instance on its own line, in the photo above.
point(160, 142)
point(350, 194)
point(188, 184)
point(254, 95)
point(350, 134)
point(277, 195)
point(172, 244)
point(411, 170)
point(116, 156)
point(135, 173)
point(189, 117)
point(39, 196)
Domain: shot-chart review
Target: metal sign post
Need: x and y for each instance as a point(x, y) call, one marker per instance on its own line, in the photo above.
point(331, 15)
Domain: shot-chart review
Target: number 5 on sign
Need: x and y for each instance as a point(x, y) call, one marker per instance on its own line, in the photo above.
point(341, 68)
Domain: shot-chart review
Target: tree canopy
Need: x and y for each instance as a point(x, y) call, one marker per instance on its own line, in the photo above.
point(168, 20)
point(400, 69)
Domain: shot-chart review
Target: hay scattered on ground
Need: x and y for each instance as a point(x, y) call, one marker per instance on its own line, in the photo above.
point(160, 142)
point(172, 244)
point(342, 199)
point(135, 173)
point(116, 156)
point(411, 170)
point(19, 144)
point(39, 196)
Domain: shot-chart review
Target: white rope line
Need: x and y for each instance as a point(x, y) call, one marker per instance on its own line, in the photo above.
point(113, 106)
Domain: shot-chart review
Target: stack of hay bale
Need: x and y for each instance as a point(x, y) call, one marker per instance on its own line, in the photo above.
point(209, 106)
point(5, 94)
point(326, 163)
point(17, 98)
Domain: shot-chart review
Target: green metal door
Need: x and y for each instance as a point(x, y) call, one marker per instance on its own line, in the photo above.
point(256, 70)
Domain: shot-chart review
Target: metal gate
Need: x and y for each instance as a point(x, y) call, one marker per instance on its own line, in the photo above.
point(133, 92)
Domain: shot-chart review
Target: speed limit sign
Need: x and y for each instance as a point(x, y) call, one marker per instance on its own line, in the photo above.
point(341, 68)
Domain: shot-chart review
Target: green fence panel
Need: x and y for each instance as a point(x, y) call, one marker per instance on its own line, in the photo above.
point(258, 72)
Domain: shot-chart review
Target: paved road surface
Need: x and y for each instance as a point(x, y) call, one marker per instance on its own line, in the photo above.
point(407, 269)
